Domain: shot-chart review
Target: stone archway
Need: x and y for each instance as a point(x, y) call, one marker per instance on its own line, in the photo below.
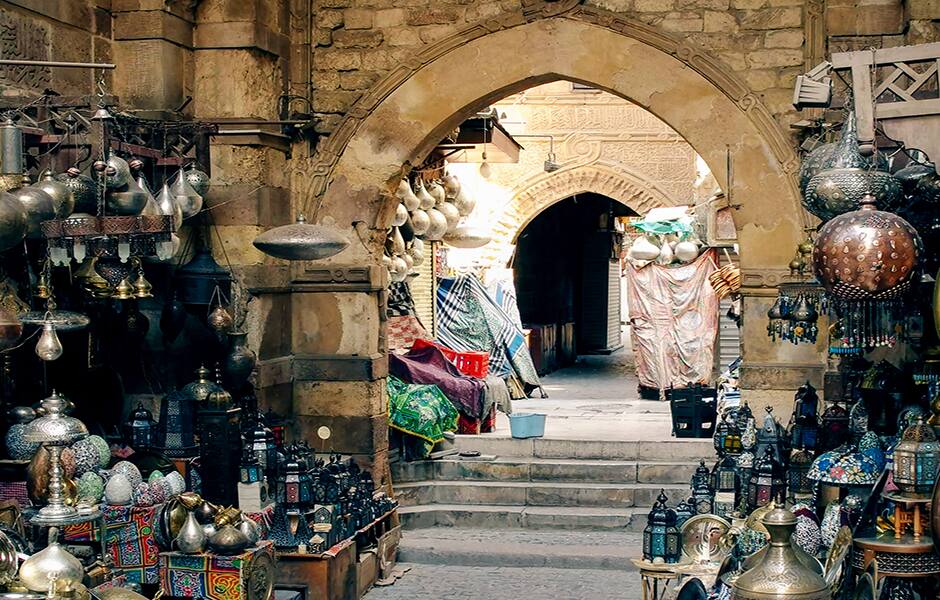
point(339, 359)
point(532, 197)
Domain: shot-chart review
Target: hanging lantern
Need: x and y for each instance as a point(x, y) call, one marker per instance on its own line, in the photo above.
point(800, 487)
point(703, 496)
point(814, 162)
point(196, 282)
point(866, 260)
point(773, 436)
point(11, 148)
point(727, 438)
point(727, 485)
point(780, 574)
point(766, 481)
point(301, 241)
point(662, 541)
point(795, 312)
point(916, 460)
point(198, 391)
point(48, 348)
point(176, 437)
point(804, 424)
point(140, 429)
point(846, 177)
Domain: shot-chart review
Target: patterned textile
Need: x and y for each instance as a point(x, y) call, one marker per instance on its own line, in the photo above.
point(429, 365)
point(208, 576)
point(469, 319)
point(403, 331)
point(503, 292)
point(400, 302)
point(130, 540)
point(420, 410)
point(15, 490)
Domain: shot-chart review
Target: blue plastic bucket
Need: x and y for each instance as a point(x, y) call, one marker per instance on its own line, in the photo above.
point(527, 425)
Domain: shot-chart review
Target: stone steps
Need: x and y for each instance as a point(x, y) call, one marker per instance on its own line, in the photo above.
point(672, 450)
point(531, 494)
point(492, 516)
point(543, 469)
point(604, 550)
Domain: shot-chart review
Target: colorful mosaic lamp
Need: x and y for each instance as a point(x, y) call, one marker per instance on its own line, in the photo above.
point(916, 459)
point(727, 437)
point(662, 541)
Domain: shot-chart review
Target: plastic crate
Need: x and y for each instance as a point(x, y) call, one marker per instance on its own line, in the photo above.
point(474, 364)
point(527, 425)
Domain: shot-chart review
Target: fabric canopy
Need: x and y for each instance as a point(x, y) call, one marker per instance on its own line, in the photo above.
point(674, 313)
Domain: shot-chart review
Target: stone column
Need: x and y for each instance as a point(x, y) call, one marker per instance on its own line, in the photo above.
point(240, 57)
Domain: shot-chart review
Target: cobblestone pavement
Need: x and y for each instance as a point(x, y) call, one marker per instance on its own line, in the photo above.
point(436, 582)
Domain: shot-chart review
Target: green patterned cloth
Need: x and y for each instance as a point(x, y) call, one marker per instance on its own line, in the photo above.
point(420, 410)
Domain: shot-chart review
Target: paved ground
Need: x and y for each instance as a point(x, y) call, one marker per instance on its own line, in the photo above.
point(436, 582)
point(596, 399)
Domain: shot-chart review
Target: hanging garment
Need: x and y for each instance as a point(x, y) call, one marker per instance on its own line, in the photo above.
point(674, 316)
point(470, 320)
point(404, 327)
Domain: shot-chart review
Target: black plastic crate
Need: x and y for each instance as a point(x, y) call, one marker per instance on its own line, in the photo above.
point(693, 411)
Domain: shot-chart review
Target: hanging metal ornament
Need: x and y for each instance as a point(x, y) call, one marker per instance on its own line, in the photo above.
point(451, 186)
point(436, 190)
point(118, 172)
point(813, 163)
point(396, 243)
point(189, 201)
point(866, 260)
point(301, 241)
point(464, 202)
point(11, 148)
point(39, 207)
point(167, 205)
point(846, 177)
point(48, 348)
point(794, 314)
point(151, 207)
point(450, 213)
point(62, 201)
point(914, 171)
point(13, 219)
point(83, 189)
point(127, 200)
point(407, 195)
point(426, 199)
point(420, 222)
point(199, 180)
point(468, 236)
point(437, 227)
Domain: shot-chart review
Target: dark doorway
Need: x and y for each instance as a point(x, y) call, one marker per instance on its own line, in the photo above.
point(567, 275)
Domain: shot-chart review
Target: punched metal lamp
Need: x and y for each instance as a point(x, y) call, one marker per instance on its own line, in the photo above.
point(916, 459)
point(301, 241)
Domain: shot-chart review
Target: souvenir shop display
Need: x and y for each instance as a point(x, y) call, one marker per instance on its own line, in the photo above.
point(662, 540)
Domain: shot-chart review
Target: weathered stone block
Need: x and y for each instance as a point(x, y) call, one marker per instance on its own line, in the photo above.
point(765, 59)
point(434, 15)
point(337, 101)
point(389, 17)
point(339, 398)
point(335, 323)
point(331, 19)
point(269, 327)
point(923, 9)
point(792, 38)
point(339, 60)
point(654, 5)
point(358, 18)
point(327, 80)
point(248, 204)
point(156, 78)
point(357, 38)
point(759, 79)
point(322, 36)
point(771, 18)
point(236, 83)
point(682, 24)
point(234, 249)
point(402, 36)
point(350, 435)
point(357, 80)
point(719, 21)
point(872, 19)
point(153, 24)
point(748, 4)
point(706, 4)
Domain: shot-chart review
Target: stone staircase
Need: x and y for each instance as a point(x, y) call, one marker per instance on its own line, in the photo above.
point(546, 483)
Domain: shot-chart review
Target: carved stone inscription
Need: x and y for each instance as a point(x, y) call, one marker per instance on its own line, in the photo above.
point(23, 39)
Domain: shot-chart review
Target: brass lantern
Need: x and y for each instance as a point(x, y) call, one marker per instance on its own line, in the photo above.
point(662, 541)
point(727, 437)
point(727, 485)
point(916, 459)
point(780, 574)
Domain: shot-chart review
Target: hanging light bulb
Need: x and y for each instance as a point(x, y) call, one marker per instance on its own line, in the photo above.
point(485, 170)
point(48, 347)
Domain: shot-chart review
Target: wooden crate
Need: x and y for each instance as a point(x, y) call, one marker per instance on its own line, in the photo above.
point(327, 576)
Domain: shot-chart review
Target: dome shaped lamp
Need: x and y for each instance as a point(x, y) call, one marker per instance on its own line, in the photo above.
point(301, 241)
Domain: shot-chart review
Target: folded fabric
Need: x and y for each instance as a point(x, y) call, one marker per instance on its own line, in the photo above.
point(420, 410)
point(429, 365)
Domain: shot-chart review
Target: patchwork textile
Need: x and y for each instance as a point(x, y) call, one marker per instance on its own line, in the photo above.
point(471, 320)
point(209, 576)
point(130, 540)
point(420, 410)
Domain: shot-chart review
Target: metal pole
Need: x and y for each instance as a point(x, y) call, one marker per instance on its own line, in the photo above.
point(55, 63)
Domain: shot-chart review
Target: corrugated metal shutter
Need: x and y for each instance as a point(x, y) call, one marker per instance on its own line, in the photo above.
point(613, 305)
point(729, 336)
point(422, 290)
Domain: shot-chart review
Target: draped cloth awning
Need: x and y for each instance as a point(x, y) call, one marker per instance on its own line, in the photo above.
point(674, 316)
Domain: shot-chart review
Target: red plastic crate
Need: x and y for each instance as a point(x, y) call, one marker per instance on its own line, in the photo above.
point(474, 364)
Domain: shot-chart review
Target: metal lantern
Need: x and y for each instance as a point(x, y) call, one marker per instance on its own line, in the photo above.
point(140, 429)
point(727, 485)
point(916, 460)
point(176, 432)
point(261, 441)
point(804, 424)
point(219, 444)
point(727, 437)
point(249, 469)
point(294, 486)
point(301, 241)
point(766, 482)
point(685, 510)
point(662, 541)
point(55, 430)
point(198, 391)
point(835, 427)
point(703, 495)
point(780, 574)
point(800, 487)
point(773, 436)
